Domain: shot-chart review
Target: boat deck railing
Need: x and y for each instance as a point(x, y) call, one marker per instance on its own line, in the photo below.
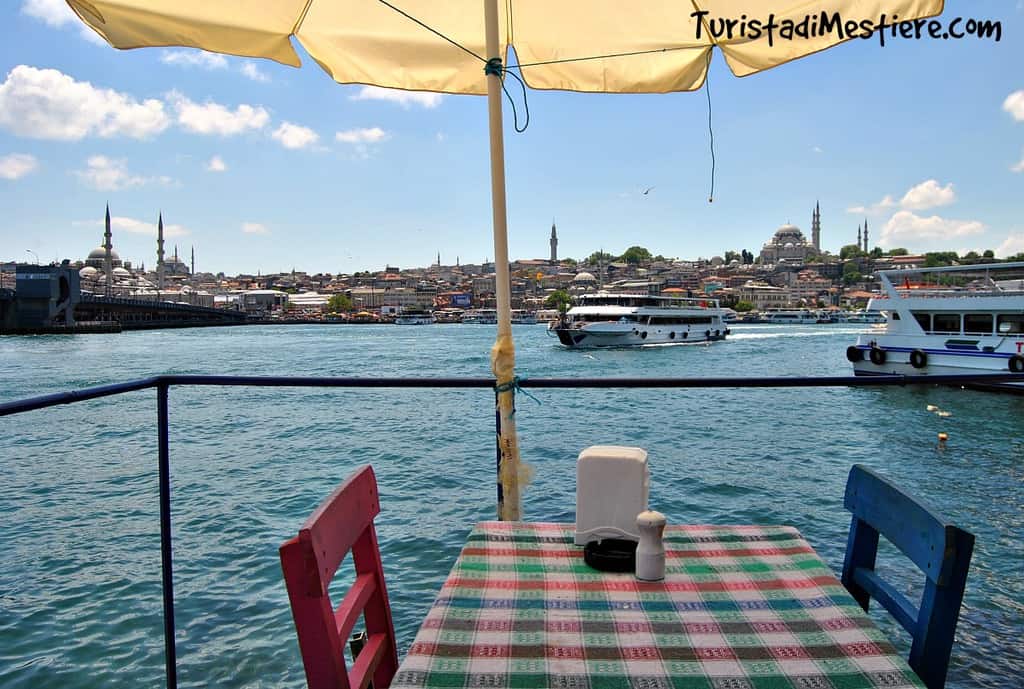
point(163, 384)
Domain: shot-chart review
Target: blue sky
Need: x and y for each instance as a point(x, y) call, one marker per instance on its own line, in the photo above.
point(265, 167)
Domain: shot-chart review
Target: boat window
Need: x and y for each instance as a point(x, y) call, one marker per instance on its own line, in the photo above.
point(924, 320)
point(1010, 323)
point(946, 323)
point(894, 315)
point(977, 324)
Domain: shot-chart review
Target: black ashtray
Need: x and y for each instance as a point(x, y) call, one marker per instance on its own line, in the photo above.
point(611, 555)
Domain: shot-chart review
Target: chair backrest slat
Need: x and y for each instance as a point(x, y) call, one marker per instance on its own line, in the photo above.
point(907, 524)
point(942, 551)
point(342, 523)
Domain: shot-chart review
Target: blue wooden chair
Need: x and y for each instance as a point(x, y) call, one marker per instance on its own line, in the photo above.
point(941, 550)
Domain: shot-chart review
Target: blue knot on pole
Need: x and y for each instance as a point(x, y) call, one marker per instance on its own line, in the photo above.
point(514, 386)
point(494, 67)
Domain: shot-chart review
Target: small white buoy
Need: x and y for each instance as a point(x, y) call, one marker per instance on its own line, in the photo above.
point(942, 439)
point(932, 407)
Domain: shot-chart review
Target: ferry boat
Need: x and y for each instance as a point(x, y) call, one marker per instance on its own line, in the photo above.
point(949, 320)
point(481, 316)
point(415, 317)
point(799, 317)
point(523, 317)
point(618, 320)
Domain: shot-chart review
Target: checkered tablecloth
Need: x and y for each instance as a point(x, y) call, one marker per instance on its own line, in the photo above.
point(741, 607)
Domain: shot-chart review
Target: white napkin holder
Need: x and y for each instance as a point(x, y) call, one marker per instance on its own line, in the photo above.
point(612, 483)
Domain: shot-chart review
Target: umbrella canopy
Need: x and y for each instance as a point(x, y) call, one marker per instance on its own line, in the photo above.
point(610, 46)
point(606, 46)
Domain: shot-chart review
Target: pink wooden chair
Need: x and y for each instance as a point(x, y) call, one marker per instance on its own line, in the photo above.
point(342, 523)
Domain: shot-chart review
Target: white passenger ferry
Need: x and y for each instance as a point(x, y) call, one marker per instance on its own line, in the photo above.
point(415, 317)
point(963, 319)
point(798, 317)
point(480, 316)
point(617, 320)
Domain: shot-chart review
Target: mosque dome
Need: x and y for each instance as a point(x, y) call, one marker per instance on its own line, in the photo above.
point(788, 233)
point(584, 277)
point(122, 273)
point(87, 272)
point(98, 255)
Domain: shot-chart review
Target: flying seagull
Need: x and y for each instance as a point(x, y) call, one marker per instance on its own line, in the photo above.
point(648, 190)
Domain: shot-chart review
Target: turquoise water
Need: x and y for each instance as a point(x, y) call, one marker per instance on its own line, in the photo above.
point(80, 598)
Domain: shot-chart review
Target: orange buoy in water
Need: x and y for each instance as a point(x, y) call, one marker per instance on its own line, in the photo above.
point(943, 437)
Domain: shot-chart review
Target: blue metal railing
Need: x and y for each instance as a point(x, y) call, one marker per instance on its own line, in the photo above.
point(162, 384)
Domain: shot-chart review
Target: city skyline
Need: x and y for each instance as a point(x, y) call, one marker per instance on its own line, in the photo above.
point(263, 168)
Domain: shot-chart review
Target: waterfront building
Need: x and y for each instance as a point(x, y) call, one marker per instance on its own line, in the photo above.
point(764, 296)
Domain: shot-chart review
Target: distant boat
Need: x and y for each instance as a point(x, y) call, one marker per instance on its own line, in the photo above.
point(415, 316)
point(481, 316)
point(798, 317)
point(524, 317)
point(618, 320)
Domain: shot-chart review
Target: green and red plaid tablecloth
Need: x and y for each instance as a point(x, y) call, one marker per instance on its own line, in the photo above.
point(741, 607)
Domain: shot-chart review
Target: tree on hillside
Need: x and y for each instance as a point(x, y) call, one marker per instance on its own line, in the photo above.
point(731, 256)
point(743, 306)
point(599, 257)
point(851, 273)
point(898, 251)
point(559, 299)
point(635, 254)
point(876, 252)
point(934, 259)
point(989, 254)
point(339, 303)
point(850, 251)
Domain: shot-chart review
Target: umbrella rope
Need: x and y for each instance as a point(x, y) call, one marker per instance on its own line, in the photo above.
point(495, 68)
point(711, 131)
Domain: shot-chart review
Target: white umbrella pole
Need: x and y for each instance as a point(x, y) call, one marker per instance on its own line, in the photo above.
point(503, 352)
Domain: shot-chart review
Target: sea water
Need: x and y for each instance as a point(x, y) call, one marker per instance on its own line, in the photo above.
point(80, 602)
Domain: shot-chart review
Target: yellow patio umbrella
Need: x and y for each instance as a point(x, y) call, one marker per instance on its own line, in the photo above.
point(607, 46)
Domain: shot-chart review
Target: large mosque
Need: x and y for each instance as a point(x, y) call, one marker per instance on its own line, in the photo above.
point(789, 245)
point(104, 272)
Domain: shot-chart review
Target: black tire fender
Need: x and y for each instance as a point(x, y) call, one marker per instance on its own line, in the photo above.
point(877, 356)
point(1016, 363)
point(918, 359)
point(853, 355)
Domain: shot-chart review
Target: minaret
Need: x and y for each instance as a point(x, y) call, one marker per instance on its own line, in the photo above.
point(865, 235)
point(438, 259)
point(160, 253)
point(108, 259)
point(193, 269)
point(554, 242)
point(860, 242)
point(816, 227)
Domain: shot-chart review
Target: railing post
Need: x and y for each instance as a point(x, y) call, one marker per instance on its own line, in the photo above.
point(170, 654)
point(497, 447)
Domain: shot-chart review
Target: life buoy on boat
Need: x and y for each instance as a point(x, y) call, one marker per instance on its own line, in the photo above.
point(643, 335)
point(877, 356)
point(853, 355)
point(1016, 363)
point(686, 334)
point(718, 333)
point(707, 333)
point(918, 359)
point(672, 335)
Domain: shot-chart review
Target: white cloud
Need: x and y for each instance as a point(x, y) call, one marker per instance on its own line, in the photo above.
point(874, 209)
point(54, 13)
point(216, 164)
point(194, 58)
point(1014, 104)
point(1011, 246)
point(47, 104)
point(295, 136)
point(817, 149)
point(371, 135)
point(440, 136)
point(254, 228)
point(108, 174)
point(907, 228)
point(928, 194)
point(1019, 167)
point(252, 71)
point(135, 226)
point(403, 98)
point(214, 118)
point(17, 165)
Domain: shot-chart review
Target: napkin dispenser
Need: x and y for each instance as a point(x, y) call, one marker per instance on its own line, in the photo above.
point(611, 490)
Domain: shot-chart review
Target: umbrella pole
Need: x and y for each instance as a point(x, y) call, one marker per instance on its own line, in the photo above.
point(503, 352)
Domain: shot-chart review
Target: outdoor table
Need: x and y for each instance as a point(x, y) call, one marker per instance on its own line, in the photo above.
point(741, 607)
